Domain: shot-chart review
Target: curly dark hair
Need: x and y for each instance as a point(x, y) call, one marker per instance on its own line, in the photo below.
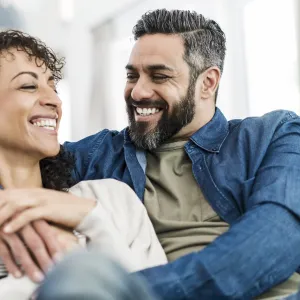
point(34, 48)
point(56, 171)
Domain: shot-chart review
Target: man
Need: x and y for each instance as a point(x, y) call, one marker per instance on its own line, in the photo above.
point(196, 172)
point(222, 196)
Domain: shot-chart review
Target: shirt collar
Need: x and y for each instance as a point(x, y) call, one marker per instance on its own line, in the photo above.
point(211, 136)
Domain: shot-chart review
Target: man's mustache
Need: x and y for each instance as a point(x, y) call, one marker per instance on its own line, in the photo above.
point(147, 103)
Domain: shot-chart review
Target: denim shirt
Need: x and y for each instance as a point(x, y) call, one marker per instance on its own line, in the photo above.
point(249, 171)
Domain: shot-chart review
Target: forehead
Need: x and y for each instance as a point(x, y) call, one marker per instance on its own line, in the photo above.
point(158, 49)
point(14, 61)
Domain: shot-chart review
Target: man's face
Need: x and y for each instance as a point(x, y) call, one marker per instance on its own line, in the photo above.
point(159, 95)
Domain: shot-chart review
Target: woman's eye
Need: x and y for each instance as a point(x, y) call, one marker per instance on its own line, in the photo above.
point(28, 87)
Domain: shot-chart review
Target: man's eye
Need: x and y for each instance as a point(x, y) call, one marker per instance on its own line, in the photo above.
point(131, 77)
point(160, 77)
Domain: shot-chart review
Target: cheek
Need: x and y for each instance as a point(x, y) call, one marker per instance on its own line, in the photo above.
point(171, 99)
point(15, 109)
point(12, 121)
point(12, 134)
point(170, 93)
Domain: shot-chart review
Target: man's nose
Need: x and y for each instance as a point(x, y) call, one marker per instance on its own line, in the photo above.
point(142, 90)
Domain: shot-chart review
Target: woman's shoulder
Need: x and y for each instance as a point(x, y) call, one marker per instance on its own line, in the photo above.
point(101, 187)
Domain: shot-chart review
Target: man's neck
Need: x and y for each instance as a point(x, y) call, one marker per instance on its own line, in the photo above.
point(17, 170)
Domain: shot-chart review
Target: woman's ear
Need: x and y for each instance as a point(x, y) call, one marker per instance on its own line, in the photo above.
point(210, 82)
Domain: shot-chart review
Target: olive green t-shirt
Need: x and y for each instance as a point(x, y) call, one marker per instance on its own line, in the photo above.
point(182, 218)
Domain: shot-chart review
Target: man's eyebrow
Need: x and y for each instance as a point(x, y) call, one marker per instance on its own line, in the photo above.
point(130, 67)
point(157, 67)
point(34, 75)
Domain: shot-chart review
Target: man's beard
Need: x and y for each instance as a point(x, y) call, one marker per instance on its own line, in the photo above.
point(169, 124)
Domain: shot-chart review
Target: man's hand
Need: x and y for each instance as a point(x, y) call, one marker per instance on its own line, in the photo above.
point(19, 207)
point(45, 244)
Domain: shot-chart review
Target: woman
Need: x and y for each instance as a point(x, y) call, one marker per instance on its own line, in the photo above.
point(107, 212)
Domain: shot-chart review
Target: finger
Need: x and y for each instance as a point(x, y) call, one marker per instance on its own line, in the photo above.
point(10, 209)
point(23, 257)
point(49, 236)
point(23, 218)
point(8, 260)
point(3, 199)
point(37, 247)
point(5, 213)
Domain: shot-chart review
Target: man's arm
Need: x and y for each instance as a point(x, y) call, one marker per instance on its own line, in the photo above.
point(258, 252)
point(261, 249)
point(84, 151)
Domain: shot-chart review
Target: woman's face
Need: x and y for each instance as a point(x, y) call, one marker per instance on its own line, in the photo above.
point(30, 109)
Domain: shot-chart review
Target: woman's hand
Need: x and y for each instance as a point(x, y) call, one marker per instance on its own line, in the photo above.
point(19, 207)
point(36, 247)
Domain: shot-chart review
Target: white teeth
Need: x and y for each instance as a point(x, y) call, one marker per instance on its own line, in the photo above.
point(146, 111)
point(45, 123)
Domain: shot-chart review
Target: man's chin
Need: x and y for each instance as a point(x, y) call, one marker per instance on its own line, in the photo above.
point(142, 128)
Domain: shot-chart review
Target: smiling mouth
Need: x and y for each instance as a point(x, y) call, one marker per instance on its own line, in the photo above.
point(144, 111)
point(45, 123)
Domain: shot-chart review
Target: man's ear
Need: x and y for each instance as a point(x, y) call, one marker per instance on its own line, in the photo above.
point(210, 82)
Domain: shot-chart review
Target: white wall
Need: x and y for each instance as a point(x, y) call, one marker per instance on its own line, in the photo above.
point(79, 53)
point(272, 56)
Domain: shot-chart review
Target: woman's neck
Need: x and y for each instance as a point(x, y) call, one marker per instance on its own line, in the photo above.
point(17, 170)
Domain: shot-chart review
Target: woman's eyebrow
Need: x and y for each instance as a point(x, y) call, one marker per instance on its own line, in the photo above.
point(34, 75)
